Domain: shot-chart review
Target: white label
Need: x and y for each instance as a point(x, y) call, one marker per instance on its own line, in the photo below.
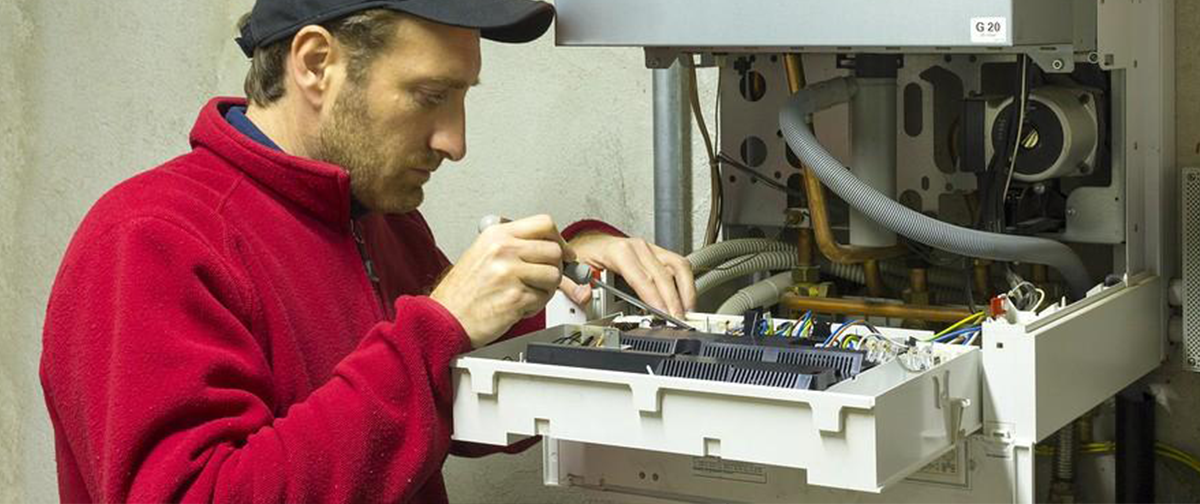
point(989, 30)
point(713, 467)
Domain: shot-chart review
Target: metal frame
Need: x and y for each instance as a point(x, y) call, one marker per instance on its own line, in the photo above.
point(1078, 356)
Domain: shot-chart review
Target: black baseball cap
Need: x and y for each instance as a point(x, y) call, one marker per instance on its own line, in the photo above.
point(500, 20)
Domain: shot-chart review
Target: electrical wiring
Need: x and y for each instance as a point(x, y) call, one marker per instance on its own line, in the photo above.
point(575, 337)
point(969, 320)
point(1161, 449)
point(1024, 103)
point(725, 159)
point(714, 168)
point(835, 338)
point(1015, 293)
point(801, 325)
point(957, 334)
point(999, 170)
point(1178, 455)
point(836, 334)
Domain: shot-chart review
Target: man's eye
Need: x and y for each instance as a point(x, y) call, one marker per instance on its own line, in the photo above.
point(430, 99)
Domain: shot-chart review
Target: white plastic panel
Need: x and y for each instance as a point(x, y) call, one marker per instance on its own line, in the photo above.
point(1039, 377)
point(821, 23)
point(967, 474)
point(887, 423)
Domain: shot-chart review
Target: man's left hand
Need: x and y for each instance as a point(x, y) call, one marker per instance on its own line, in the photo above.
point(661, 278)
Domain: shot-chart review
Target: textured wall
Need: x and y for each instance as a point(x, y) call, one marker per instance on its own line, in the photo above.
point(15, 385)
point(93, 92)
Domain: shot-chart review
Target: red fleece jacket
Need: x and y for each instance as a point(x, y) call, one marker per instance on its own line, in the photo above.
point(212, 336)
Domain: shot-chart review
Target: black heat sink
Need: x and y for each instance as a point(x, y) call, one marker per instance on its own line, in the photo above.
point(772, 374)
point(749, 373)
point(848, 363)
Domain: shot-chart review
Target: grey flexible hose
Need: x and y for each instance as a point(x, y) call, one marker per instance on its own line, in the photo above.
point(746, 265)
point(1064, 454)
point(717, 253)
point(764, 293)
point(901, 219)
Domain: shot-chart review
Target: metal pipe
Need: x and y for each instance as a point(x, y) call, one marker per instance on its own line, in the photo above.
point(983, 278)
point(1040, 275)
point(672, 218)
point(874, 278)
point(815, 193)
point(804, 251)
point(919, 279)
point(871, 309)
point(873, 145)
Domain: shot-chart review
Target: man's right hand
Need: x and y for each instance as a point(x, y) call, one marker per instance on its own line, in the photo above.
point(509, 273)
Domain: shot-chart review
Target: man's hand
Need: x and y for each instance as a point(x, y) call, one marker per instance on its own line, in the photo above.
point(509, 273)
point(661, 278)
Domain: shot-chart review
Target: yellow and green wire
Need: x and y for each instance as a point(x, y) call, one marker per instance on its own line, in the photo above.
point(1161, 449)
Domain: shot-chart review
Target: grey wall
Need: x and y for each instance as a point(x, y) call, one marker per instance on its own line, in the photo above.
point(93, 92)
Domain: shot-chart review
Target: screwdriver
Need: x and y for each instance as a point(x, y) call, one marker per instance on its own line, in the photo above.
point(582, 274)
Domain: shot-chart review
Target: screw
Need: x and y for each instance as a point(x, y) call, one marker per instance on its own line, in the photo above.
point(1191, 361)
point(1039, 188)
point(1084, 168)
point(1191, 177)
point(1093, 57)
point(1058, 64)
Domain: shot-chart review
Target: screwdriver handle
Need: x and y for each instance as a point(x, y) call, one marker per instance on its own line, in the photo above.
point(578, 272)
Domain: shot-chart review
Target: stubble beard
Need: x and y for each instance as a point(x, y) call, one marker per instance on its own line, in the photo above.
point(376, 178)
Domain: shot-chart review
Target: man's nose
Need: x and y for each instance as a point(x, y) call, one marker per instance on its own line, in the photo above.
point(450, 140)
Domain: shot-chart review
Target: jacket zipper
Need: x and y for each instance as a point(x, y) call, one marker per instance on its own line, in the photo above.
point(368, 265)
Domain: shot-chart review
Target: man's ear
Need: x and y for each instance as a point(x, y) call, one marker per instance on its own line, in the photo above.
point(315, 60)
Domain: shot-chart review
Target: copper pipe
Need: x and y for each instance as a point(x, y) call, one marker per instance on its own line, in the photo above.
point(1040, 274)
point(818, 210)
point(919, 279)
point(983, 277)
point(865, 308)
point(874, 278)
point(805, 247)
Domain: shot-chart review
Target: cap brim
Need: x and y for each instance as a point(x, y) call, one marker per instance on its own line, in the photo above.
point(513, 21)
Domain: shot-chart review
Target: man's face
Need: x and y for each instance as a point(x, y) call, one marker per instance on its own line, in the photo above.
point(391, 130)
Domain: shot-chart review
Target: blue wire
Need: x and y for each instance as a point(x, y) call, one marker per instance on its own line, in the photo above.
point(783, 328)
point(949, 336)
point(804, 322)
point(843, 327)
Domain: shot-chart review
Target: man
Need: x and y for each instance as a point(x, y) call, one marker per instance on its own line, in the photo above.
point(222, 327)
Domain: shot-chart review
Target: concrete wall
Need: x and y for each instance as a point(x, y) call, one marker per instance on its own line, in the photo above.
point(93, 92)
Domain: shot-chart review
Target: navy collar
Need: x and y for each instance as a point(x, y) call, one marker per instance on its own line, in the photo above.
point(236, 116)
